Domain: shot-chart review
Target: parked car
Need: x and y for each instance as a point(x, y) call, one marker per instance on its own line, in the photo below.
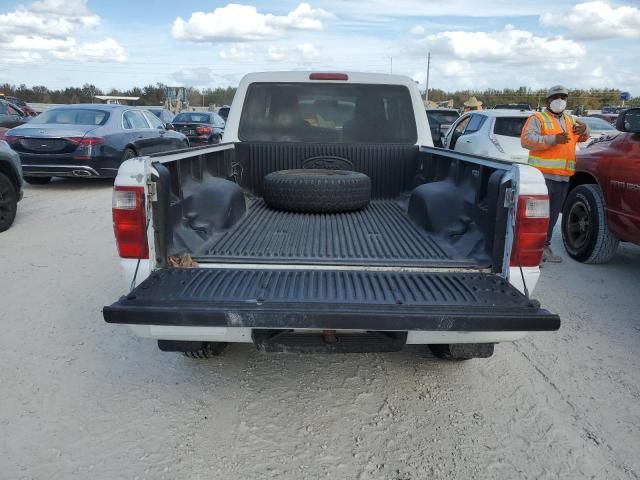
point(603, 205)
point(21, 104)
point(11, 115)
point(608, 117)
point(512, 106)
point(349, 235)
point(88, 140)
point(598, 128)
point(165, 116)
point(201, 128)
point(440, 119)
point(493, 133)
point(10, 185)
point(224, 112)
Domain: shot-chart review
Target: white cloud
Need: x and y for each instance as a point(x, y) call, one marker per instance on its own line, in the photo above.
point(418, 30)
point(105, 50)
point(597, 20)
point(236, 22)
point(49, 18)
point(46, 29)
point(510, 46)
point(276, 54)
point(308, 52)
point(237, 52)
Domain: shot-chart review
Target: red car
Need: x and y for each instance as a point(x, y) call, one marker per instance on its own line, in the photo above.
point(603, 205)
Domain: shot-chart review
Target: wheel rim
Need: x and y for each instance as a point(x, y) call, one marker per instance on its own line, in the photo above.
point(579, 225)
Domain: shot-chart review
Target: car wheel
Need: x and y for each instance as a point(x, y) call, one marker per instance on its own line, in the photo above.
point(585, 232)
point(8, 202)
point(37, 180)
point(462, 351)
point(128, 153)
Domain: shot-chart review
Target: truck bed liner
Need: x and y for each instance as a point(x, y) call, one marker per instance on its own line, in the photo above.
point(329, 299)
point(381, 234)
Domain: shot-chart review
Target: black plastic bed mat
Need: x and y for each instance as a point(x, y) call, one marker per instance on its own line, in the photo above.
point(381, 234)
point(330, 299)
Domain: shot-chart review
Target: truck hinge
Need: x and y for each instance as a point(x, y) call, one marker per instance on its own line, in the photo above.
point(152, 192)
point(510, 198)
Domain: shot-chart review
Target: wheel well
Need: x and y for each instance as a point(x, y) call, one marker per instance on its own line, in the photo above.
point(581, 178)
point(11, 173)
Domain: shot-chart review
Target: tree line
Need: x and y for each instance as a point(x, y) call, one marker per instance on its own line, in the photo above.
point(591, 99)
point(149, 95)
point(588, 99)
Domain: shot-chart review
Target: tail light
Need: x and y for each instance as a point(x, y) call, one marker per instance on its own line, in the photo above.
point(129, 222)
point(11, 139)
point(86, 141)
point(203, 130)
point(532, 222)
point(328, 76)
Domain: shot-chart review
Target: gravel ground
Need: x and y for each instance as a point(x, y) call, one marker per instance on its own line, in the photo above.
point(84, 399)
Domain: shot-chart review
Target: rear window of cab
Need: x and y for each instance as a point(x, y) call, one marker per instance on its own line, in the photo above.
point(327, 112)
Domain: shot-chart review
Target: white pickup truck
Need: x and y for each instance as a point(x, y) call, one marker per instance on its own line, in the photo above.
point(326, 221)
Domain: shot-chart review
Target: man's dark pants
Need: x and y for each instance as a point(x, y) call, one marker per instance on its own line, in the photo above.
point(557, 194)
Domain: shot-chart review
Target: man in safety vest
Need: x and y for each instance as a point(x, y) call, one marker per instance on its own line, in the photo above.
point(551, 137)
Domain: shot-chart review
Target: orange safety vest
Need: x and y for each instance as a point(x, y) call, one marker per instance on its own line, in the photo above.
point(556, 159)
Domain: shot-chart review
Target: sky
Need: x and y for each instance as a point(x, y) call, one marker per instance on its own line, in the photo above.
point(473, 44)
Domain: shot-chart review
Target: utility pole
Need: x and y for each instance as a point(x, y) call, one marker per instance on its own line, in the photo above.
point(426, 91)
point(391, 66)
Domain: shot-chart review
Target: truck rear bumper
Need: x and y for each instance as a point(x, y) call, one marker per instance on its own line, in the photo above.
point(330, 300)
point(244, 335)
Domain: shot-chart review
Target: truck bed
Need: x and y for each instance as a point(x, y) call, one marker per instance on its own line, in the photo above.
point(381, 234)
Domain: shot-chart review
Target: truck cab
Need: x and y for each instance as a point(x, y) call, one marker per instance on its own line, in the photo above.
point(603, 204)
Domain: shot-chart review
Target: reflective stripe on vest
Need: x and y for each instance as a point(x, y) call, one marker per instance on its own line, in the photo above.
point(556, 159)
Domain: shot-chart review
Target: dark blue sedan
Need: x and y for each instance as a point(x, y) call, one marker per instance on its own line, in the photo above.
point(88, 140)
point(202, 128)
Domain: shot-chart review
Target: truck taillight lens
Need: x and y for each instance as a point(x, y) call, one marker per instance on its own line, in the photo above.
point(532, 222)
point(129, 222)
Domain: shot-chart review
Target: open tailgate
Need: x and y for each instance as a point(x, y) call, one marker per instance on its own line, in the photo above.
point(330, 299)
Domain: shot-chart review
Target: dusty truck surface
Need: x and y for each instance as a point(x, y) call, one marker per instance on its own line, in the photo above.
point(326, 221)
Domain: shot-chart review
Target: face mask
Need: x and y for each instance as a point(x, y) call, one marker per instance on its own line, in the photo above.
point(558, 105)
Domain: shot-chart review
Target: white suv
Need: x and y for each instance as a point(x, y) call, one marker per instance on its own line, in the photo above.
point(491, 133)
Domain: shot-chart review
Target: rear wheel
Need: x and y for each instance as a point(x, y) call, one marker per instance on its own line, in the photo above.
point(8, 202)
point(37, 180)
point(128, 153)
point(193, 349)
point(585, 232)
point(462, 351)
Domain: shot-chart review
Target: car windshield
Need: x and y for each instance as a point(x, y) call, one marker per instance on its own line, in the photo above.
point(336, 113)
point(73, 116)
point(595, 123)
point(509, 126)
point(443, 118)
point(192, 117)
point(156, 112)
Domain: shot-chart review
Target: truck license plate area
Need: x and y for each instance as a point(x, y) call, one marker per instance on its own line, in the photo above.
point(328, 341)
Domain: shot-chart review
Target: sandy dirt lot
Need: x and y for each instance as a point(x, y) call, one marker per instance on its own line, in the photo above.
point(83, 399)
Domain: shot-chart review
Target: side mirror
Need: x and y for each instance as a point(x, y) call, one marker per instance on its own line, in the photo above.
point(629, 120)
point(169, 126)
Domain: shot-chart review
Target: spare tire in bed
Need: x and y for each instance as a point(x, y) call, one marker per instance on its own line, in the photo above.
point(317, 190)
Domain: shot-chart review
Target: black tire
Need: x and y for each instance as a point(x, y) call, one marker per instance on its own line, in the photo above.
point(208, 350)
point(128, 153)
point(462, 351)
point(8, 202)
point(37, 180)
point(317, 191)
point(585, 232)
